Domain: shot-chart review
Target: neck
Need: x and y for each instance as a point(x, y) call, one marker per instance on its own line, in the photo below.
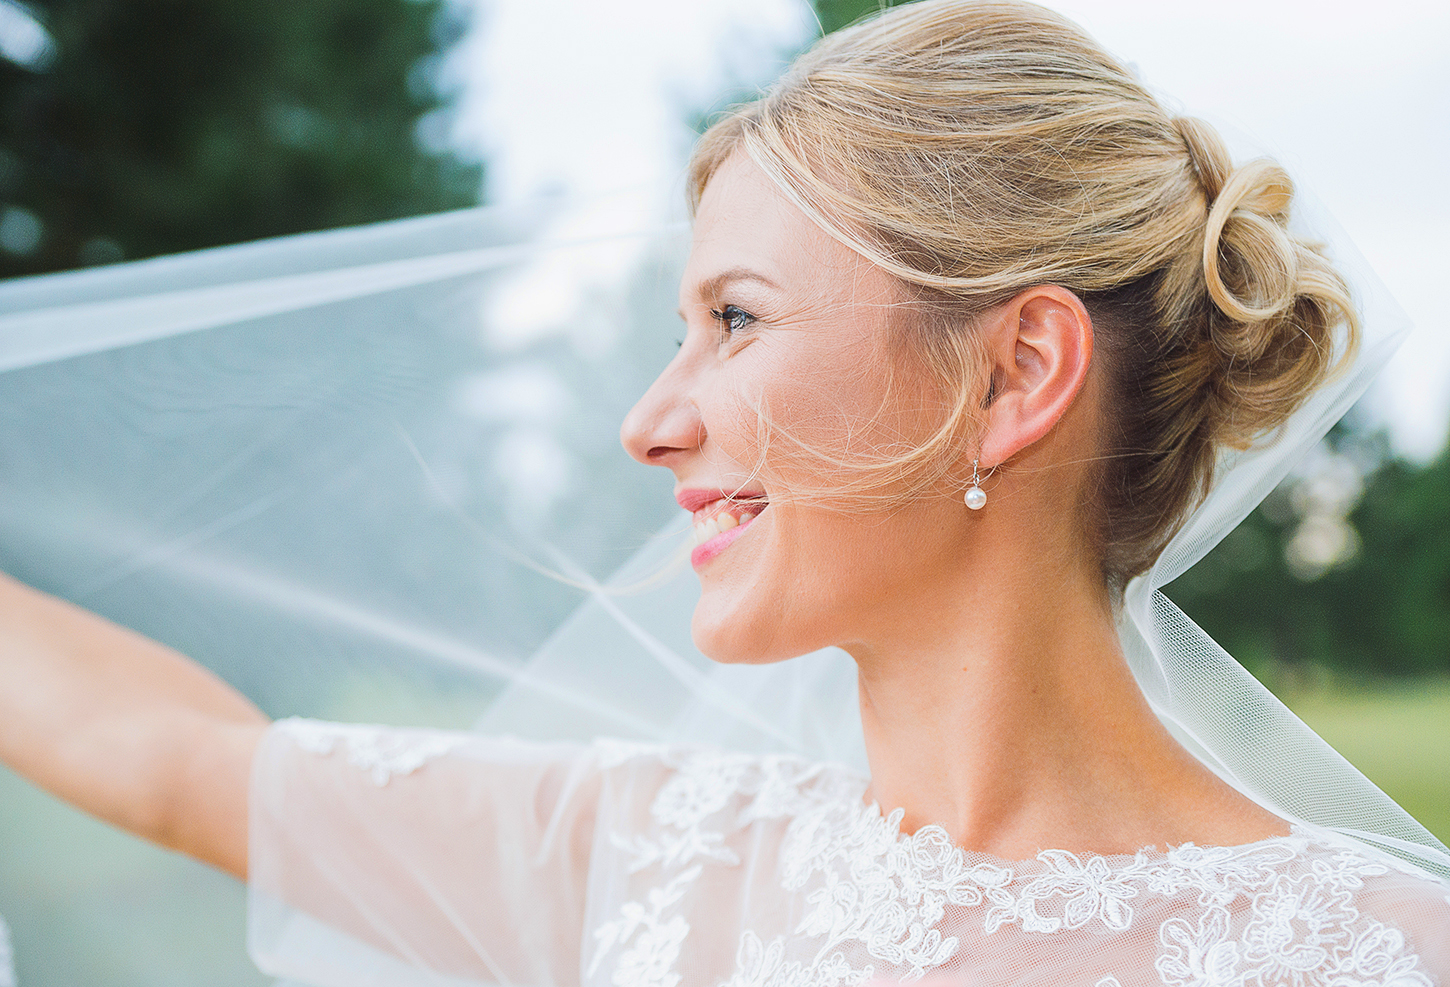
point(1011, 719)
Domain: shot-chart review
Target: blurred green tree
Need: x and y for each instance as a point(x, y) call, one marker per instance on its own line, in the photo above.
point(130, 128)
point(836, 14)
point(1380, 608)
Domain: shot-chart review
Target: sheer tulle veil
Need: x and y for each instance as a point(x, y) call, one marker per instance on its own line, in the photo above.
point(334, 464)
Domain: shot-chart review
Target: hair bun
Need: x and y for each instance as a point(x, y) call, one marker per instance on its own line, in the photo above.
point(1275, 301)
point(1250, 262)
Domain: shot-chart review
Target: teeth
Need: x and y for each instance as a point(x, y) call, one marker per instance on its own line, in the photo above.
point(705, 530)
point(719, 523)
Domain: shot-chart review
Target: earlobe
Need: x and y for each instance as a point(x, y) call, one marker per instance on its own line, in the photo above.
point(1041, 345)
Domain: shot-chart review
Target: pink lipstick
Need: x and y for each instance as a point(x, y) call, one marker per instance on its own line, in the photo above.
point(720, 517)
point(713, 546)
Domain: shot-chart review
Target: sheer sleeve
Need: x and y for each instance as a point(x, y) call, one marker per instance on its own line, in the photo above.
point(401, 857)
point(1414, 907)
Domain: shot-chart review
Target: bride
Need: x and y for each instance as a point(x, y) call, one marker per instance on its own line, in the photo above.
point(975, 333)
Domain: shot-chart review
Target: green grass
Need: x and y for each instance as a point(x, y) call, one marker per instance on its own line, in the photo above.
point(1397, 733)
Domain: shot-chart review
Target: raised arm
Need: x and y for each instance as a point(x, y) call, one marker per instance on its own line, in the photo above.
point(125, 728)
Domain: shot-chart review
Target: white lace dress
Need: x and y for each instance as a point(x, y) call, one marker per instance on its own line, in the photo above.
point(399, 857)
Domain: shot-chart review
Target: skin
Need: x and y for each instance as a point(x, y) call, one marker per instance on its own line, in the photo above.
point(995, 699)
point(125, 728)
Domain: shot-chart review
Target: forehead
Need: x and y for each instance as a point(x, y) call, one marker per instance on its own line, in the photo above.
point(746, 223)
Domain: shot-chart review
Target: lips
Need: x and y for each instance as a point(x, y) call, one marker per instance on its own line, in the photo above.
point(721, 516)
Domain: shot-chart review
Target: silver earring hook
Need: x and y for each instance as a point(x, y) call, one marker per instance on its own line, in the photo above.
point(975, 497)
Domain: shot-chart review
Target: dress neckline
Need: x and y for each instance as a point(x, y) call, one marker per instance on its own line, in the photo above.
point(1296, 840)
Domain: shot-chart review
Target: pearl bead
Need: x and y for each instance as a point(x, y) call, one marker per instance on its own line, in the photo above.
point(976, 498)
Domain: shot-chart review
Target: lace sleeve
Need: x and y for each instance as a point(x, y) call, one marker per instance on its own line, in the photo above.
point(1413, 906)
point(401, 857)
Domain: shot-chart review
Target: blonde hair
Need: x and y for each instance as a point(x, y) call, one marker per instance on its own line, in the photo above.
point(991, 145)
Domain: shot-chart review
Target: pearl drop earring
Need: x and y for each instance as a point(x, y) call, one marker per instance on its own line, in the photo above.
point(976, 497)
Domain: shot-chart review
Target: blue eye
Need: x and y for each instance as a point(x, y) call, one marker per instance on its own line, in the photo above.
point(732, 318)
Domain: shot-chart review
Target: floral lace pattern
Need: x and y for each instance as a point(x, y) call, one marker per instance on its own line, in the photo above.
point(702, 786)
point(382, 752)
point(874, 902)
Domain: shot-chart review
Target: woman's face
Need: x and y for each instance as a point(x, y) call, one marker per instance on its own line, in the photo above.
point(784, 321)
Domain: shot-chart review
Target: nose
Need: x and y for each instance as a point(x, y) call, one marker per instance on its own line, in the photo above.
point(664, 427)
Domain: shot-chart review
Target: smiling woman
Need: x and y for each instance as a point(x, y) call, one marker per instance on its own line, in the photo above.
point(957, 247)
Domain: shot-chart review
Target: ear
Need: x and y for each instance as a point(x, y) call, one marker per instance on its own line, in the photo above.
point(1040, 345)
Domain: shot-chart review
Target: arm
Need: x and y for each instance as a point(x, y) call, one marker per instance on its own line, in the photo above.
point(125, 728)
point(393, 855)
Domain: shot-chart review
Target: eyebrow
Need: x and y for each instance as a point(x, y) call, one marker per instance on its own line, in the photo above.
point(715, 283)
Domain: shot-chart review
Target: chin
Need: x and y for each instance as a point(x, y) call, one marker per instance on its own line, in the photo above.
point(743, 638)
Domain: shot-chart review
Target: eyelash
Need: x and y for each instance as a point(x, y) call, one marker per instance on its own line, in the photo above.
point(732, 318)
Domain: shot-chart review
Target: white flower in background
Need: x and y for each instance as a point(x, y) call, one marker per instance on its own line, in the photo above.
point(1330, 486)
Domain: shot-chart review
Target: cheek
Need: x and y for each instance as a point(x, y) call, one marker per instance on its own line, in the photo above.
point(761, 599)
point(765, 402)
point(825, 578)
point(833, 429)
point(734, 449)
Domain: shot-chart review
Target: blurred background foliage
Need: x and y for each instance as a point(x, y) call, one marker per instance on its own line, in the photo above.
point(1344, 570)
point(131, 128)
point(836, 14)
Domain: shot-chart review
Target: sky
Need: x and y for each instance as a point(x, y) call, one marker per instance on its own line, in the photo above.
point(594, 100)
